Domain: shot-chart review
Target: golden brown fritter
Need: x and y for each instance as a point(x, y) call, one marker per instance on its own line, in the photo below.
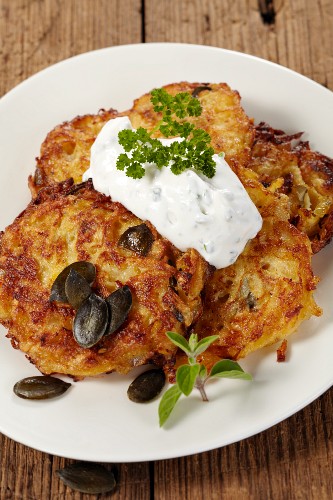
point(65, 224)
point(305, 176)
point(266, 294)
point(65, 152)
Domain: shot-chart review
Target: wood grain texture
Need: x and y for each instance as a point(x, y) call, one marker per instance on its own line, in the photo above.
point(37, 33)
point(301, 37)
point(27, 474)
point(292, 460)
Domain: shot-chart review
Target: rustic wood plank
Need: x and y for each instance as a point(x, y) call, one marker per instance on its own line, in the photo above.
point(37, 33)
point(300, 38)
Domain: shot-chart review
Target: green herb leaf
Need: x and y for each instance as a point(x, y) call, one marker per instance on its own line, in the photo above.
point(168, 402)
point(179, 341)
point(194, 150)
point(182, 104)
point(203, 372)
point(229, 369)
point(204, 344)
point(135, 170)
point(186, 377)
point(193, 342)
point(195, 374)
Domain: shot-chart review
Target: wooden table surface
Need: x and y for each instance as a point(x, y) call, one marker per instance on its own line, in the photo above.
point(294, 459)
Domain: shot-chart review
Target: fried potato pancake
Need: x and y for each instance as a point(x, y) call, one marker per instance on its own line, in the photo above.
point(266, 294)
point(305, 176)
point(69, 223)
point(65, 152)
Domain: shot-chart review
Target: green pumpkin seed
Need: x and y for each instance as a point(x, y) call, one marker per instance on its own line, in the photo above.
point(146, 386)
point(178, 315)
point(120, 303)
point(91, 321)
point(197, 91)
point(87, 477)
point(40, 387)
point(139, 239)
point(77, 289)
point(85, 269)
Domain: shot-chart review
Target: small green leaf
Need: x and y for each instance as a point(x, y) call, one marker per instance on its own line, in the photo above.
point(225, 365)
point(203, 372)
point(234, 374)
point(186, 377)
point(193, 341)
point(136, 171)
point(179, 341)
point(167, 403)
point(229, 369)
point(194, 107)
point(204, 344)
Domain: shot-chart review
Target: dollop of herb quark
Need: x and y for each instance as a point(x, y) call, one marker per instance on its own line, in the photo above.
point(194, 374)
point(193, 151)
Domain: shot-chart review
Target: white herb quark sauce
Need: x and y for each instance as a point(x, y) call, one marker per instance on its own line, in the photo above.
point(215, 216)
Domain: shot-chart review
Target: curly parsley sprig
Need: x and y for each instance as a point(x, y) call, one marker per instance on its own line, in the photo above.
point(194, 374)
point(194, 151)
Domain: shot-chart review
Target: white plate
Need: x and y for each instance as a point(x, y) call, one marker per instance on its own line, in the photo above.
point(94, 420)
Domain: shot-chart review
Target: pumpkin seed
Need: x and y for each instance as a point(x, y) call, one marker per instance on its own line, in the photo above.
point(87, 477)
point(251, 301)
point(77, 289)
point(85, 269)
point(120, 303)
point(197, 91)
point(139, 239)
point(146, 386)
point(91, 321)
point(178, 315)
point(40, 387)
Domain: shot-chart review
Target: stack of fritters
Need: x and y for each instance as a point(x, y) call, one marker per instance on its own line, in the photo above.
point(260, 299)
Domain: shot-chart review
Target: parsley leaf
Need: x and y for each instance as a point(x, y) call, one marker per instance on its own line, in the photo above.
point(194, 151)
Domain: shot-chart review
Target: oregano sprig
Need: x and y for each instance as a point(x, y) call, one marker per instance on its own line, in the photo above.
point(194, 150)
point(194, 374)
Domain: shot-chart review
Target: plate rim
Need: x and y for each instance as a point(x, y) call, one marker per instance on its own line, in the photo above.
point(140, 46)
